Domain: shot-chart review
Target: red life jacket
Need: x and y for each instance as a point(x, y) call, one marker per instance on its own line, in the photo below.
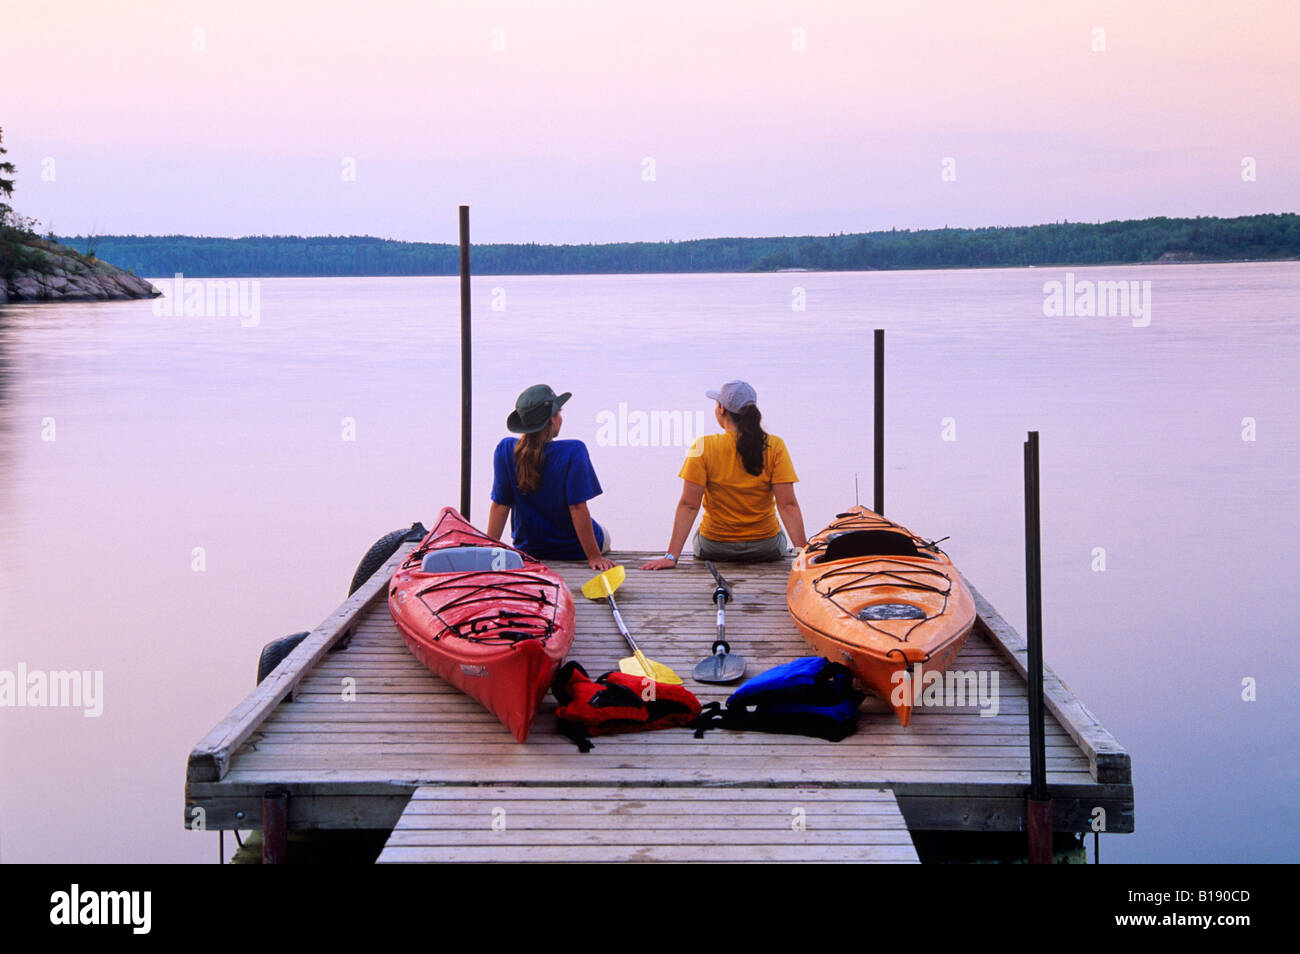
point(617, 702)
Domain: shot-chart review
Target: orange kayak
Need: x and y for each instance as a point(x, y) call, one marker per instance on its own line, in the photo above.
point(871, 594)
point(487, 618)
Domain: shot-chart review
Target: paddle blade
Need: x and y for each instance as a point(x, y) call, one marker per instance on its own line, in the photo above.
point(599, 587)
point(640, 665)
point(720, 667)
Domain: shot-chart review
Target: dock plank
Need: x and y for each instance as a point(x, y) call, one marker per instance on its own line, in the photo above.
point(629, 824)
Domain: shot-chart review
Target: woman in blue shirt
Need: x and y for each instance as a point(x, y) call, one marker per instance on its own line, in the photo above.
point(544, 484)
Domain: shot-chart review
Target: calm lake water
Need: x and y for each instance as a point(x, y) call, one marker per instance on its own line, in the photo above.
point(283, 446)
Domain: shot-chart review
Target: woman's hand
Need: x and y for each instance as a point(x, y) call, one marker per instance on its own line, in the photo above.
point(662, 563)
point(600, 564)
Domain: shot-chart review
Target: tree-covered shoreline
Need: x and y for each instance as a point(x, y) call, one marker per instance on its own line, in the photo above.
point(38, 269)
point(1254, 237)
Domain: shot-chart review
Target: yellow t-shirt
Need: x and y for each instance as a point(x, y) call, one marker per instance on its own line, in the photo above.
point(737, 504)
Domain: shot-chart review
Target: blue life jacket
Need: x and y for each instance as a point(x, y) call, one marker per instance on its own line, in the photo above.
point(807, 696)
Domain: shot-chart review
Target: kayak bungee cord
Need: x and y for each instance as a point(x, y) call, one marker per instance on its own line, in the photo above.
point(899, 575)
point(507, 623)
point(907, 663)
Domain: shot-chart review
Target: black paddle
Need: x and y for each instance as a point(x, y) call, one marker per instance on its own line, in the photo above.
point(723, 665)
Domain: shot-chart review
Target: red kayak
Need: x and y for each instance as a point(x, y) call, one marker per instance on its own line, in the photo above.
point(488, 618)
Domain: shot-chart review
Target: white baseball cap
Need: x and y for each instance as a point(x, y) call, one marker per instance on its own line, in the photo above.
point(735, 396)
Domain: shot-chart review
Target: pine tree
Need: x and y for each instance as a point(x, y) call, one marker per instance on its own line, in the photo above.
point(6, 184)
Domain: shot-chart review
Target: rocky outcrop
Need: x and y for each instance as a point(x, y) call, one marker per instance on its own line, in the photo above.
point(62, 274)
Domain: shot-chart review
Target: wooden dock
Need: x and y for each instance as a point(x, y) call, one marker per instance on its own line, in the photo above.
point(649, 823)
point(351, 727)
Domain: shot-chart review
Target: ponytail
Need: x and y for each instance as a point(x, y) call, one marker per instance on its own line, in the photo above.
point(528, 459)
point(751, 442)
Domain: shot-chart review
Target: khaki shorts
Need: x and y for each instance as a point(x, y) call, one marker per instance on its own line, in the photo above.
point(740, 551)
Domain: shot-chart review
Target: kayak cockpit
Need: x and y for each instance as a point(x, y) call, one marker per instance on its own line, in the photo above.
point(855, 544)
point(471, 559)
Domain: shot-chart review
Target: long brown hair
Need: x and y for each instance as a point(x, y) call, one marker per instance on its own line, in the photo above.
point(751, 442)
point(528, 459)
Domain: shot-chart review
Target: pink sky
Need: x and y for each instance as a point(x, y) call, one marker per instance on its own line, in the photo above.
point(235, 118)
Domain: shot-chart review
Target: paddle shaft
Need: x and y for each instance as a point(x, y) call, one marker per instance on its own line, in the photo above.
point(618, 619)
point(720, 596)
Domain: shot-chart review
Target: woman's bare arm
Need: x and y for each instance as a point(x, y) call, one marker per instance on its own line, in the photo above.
point(683, 519)
point(587, 537)
point(791, 515)
point(497, 514)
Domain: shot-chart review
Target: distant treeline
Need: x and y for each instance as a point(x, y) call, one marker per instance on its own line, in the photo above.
point(1068, 243)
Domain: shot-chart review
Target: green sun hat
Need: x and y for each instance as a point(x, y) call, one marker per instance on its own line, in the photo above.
point(535, 407)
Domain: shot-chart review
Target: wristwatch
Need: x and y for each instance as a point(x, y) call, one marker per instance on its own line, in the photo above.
point(669, 556)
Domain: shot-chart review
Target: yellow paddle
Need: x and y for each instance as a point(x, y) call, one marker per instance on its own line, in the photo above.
point(602, 587)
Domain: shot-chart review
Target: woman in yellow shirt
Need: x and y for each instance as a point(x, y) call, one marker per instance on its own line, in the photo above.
point(743, 477)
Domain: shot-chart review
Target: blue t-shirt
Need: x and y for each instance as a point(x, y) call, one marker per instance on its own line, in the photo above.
point(542, 525)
